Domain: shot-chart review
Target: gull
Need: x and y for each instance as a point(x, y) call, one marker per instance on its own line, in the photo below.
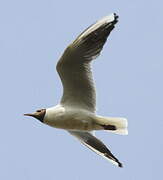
point(76, 111)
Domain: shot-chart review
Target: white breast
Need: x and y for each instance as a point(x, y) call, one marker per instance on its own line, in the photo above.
point(53, 113)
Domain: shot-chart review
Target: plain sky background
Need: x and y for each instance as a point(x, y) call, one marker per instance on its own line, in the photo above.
point(129, 81)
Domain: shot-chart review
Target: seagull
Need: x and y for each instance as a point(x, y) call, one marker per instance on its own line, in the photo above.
point(76, 111)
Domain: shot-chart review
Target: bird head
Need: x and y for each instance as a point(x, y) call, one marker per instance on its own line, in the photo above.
point(39, 114)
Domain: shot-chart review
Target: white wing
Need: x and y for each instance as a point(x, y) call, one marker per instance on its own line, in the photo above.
point(74, 65)
point(95, 145)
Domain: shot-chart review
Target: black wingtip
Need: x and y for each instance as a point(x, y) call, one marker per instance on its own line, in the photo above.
point(120, 165)
point(117, 161)
point(116, 17)
point(113, 158)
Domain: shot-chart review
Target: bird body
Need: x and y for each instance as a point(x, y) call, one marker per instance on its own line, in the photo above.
point(71, 118)
point(76, 111)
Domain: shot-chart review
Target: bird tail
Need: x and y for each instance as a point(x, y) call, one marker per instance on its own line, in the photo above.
point(117, 125)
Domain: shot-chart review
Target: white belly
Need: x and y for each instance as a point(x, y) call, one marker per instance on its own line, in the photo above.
point(70, 118)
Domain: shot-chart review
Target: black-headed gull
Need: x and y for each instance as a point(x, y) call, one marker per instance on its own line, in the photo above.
point(76, 110)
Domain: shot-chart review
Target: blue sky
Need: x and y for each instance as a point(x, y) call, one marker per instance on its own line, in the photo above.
point(128, 75)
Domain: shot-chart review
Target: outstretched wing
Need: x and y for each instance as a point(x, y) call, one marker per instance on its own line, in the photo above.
point(95, 145)
point(74, 65)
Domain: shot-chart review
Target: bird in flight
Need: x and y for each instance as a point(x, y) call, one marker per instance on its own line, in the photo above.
point(76, 111)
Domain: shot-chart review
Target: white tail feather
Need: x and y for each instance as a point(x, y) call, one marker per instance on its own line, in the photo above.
point(123, 131)
point(120, 124)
